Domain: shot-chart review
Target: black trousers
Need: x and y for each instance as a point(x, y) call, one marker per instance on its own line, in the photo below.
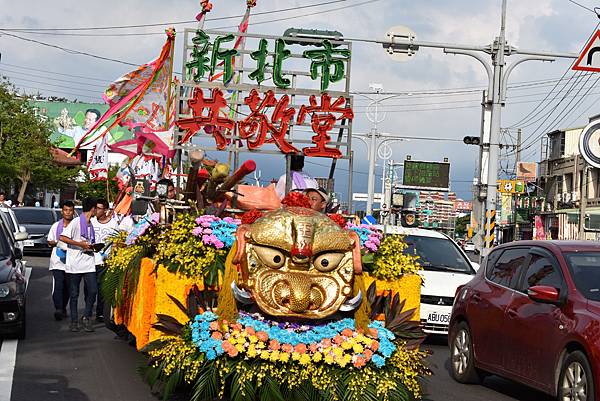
point(60, 290)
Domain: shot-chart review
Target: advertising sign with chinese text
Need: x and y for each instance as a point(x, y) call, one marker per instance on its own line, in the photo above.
point(426, 175)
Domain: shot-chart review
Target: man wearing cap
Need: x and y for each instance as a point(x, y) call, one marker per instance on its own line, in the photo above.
point(318, 198)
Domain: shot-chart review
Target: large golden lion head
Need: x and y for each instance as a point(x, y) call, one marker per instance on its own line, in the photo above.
point(296, 262)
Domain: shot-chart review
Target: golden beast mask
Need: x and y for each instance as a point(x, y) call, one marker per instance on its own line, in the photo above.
point(296, 262)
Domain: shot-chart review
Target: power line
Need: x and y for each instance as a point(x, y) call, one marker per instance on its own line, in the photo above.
point(208, 19)
point(70, 51)
point(528, 117)
point(52, 78)
point(582, 6)
point(55, 73)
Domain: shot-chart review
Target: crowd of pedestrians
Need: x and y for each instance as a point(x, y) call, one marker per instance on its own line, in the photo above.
point(78, 255)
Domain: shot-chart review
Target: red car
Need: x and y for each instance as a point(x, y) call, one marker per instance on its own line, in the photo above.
point(532, 314)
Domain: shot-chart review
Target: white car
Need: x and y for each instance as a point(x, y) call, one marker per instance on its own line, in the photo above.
point(469, 247)
point(445, 268)
point(19, 232)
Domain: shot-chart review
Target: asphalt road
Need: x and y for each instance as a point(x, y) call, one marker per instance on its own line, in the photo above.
point(55, 364)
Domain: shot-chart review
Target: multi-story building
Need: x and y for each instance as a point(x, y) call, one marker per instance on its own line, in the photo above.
point(562, 184)
point(436, 210)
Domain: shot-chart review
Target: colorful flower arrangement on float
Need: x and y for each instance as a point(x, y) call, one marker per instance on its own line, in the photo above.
point(217, 329)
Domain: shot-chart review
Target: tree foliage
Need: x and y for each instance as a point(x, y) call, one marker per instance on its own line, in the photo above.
point(98, 189)
point(25, 156)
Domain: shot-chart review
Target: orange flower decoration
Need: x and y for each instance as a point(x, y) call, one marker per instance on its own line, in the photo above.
point(274, 345)
point(347, 332)
point(359, 362)
point(262, 336)
point(300, 348)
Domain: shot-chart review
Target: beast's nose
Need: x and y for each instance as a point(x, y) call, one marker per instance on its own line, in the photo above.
point(298, 295)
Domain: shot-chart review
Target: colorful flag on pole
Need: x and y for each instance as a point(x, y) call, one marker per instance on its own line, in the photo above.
point(139, 99)
point(98, 163)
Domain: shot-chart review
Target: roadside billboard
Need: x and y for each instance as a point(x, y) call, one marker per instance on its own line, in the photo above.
point(70, 121)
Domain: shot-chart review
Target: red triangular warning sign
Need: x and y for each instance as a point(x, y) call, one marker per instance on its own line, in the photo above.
point(589, 59)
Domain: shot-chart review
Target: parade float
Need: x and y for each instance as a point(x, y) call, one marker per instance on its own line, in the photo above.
point(231, 292)
point(273, 305)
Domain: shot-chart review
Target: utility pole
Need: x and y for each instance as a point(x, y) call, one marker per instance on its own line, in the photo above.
point(517, 160)
point(583, 204)
point(497, 84)
point(375, 119)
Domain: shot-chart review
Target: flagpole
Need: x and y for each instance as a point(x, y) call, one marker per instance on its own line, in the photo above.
point(171, 54)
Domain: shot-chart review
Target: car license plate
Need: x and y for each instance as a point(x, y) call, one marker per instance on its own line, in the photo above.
point(28, 243)
point(435, 317)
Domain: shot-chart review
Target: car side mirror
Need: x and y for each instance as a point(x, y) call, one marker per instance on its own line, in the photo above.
point(544, 294)
point(18, 253)
point(21, 236)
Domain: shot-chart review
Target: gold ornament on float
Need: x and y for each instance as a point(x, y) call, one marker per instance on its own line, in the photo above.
point(296, 262)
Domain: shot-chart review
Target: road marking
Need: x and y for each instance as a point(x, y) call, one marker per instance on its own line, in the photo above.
point(27, 275)
point(8, 358)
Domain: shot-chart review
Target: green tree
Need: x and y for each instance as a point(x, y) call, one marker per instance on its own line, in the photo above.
point(25, 155)
point(98, 189)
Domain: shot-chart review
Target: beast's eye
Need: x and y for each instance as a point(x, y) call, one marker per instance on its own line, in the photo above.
point(271, 257)
point(326, 262)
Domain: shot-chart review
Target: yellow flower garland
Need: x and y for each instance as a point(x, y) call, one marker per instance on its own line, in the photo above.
point(390, 261)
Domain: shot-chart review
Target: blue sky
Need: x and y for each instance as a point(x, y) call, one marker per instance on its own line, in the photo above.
point(552, 25)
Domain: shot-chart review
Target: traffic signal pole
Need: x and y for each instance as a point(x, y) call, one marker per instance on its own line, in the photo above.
point(497, 84)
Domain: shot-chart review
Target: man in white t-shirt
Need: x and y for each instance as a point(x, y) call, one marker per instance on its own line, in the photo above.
point(60, 285)
point(79, 237)
point(104, 227)
point(300, 179)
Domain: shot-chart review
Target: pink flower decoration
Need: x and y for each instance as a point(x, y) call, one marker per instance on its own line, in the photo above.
point(197, 231)
point(214, 325)
point(287, 348)
point(262, 336)
point(274, 345)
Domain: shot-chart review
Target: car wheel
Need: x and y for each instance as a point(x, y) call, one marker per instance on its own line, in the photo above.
point(461, 355)
point(576, 382)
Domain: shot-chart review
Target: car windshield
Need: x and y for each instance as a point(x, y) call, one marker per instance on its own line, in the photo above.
point(34, 216)
point(585, 269)
point(438, 254)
